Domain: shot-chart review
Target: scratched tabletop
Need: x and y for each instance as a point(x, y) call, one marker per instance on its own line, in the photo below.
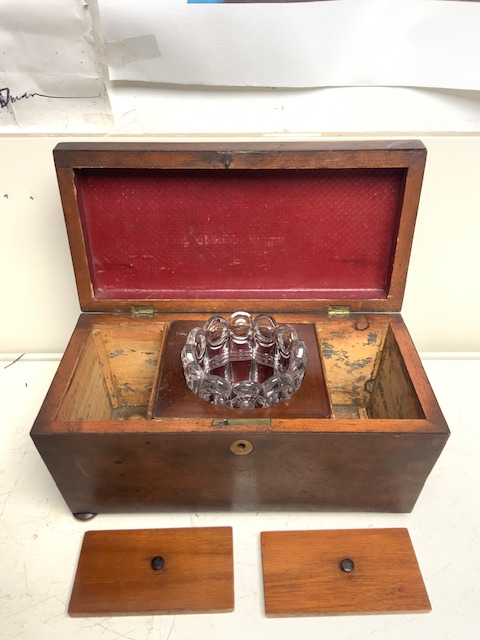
point(40, 540)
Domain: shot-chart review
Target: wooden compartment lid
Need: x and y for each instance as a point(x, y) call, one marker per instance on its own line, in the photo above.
point(341, 572)
point(150, 571)
point(285, 226)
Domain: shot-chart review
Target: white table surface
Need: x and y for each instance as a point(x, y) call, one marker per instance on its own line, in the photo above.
point(40, 540)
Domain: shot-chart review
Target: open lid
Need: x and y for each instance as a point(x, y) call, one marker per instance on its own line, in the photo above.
point(277, 226)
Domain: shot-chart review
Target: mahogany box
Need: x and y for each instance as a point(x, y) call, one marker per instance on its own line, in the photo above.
point(164, 236)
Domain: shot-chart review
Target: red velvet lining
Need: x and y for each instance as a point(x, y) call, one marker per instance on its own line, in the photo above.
point(240, 233)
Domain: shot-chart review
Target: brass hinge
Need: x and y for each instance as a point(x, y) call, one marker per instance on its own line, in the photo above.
point(339, 310)
point(142, 312)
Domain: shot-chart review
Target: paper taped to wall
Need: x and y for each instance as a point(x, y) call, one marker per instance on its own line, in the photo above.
point(50, 75)
point(416, 43)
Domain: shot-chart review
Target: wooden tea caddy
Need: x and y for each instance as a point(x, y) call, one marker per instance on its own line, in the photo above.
point(164, 236)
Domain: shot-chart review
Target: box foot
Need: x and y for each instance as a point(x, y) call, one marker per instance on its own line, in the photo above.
point(84, 515)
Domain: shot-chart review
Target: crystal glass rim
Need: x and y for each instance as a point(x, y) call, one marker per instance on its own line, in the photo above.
point(244, 362)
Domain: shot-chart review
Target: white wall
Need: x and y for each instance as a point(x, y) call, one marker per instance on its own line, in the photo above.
point(38, 302)
point(39, 306)
point(333, 111)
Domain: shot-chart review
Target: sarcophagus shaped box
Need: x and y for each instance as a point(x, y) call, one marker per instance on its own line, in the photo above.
point(165, 236)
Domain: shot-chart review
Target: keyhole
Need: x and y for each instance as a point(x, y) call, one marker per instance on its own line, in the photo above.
point(241, 447)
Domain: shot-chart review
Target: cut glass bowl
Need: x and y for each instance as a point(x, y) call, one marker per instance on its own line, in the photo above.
point(244, 362)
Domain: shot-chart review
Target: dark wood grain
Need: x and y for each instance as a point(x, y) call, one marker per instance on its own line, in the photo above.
point(155, 471)
point(302, 573)
point(115, 574)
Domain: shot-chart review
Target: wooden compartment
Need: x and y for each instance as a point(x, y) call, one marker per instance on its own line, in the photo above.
point(366, 373)
point(115, 373)
point(173, 399)
point(163, 237)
